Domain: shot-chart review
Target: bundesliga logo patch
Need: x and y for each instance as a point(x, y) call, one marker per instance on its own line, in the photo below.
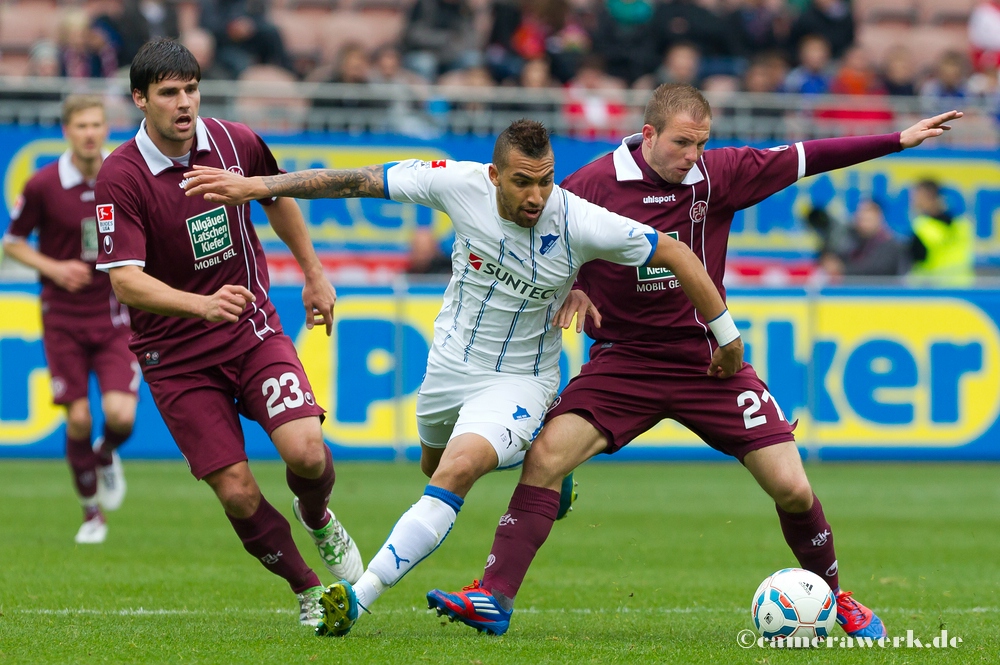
point(106, 218)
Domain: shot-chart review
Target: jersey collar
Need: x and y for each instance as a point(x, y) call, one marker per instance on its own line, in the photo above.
point(156, 160)
point(627, 169)
point(69, 175)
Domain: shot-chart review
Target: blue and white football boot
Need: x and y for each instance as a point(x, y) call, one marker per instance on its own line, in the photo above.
point(474, 606)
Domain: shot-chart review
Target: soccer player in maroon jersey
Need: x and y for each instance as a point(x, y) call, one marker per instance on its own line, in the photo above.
point(651, 351)
point(207, 336)
point(85, 329)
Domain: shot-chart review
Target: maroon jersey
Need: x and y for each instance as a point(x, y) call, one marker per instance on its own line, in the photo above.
point(59, 203)
point(144, 219)
point(645, 308)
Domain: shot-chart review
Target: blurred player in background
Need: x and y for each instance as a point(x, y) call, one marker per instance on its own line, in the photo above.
point(943, 245)
point(494, 366)
point(650, 354)
point(85, 329)
point(206, 334)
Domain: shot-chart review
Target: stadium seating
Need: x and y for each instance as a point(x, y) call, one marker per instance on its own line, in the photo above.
point(24, 23)
point(277, 111)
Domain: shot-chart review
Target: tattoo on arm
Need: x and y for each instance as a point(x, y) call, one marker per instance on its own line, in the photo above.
point(367, 181)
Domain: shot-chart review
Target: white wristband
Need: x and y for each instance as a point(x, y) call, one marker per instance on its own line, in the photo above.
point(724, 328)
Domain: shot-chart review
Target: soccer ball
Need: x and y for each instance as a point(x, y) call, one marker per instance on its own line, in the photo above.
point(794, 603)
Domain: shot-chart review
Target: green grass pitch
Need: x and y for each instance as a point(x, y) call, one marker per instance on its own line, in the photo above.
point(657, 563)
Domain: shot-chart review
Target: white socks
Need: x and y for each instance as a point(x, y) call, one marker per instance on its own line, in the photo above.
point(418, 532)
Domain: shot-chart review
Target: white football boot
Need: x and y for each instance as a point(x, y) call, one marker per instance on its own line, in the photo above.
point(339, 552)
point(111, 484)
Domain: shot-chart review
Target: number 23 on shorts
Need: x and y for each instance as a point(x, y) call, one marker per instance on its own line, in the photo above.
point(284, 392)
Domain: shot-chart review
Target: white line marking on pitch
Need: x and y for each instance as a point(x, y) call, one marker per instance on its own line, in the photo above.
point(141, 611)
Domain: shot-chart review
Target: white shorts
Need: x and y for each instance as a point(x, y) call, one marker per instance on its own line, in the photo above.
point(505, 409)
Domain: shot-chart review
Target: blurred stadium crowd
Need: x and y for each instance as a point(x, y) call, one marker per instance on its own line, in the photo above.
point(936, 54)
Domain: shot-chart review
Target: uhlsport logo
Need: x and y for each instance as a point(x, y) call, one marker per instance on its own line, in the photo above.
point(660, 199)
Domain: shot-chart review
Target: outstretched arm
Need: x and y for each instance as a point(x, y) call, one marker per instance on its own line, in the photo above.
point(220, 186)
point(823, 155)
point(758, 174)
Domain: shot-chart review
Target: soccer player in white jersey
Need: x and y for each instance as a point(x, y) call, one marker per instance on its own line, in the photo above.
point(494, 366)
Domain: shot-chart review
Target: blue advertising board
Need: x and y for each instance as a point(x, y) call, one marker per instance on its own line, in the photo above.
point(867, 373)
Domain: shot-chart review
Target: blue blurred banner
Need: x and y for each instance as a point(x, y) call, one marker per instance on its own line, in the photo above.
point(773, 228)
point(869, 374)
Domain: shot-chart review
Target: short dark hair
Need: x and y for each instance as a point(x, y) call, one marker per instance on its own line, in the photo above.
point(528, 137)
point(930, 186)
point(159, 60)
point(671, 99)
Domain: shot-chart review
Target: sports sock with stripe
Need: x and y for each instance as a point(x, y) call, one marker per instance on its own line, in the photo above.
point(418, 532)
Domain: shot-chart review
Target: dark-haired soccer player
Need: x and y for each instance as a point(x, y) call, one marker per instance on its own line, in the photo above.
point(494, 366)
point(206, 334)
point(84, 327)
point(650, 353)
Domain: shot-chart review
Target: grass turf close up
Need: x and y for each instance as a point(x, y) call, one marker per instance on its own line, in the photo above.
point(657, 563)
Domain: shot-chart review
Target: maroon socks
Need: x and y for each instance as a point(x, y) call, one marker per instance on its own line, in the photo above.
point(83, 464)
point(267, 536)
point(522, 531)
point(811, 540)
point(313, 493)
point(112, 441)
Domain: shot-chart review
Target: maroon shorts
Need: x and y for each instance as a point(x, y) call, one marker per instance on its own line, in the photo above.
point(735, 415)
point(72, 353)
point(202, 408)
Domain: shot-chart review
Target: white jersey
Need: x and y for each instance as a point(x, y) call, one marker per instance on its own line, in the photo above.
point(508, 282)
